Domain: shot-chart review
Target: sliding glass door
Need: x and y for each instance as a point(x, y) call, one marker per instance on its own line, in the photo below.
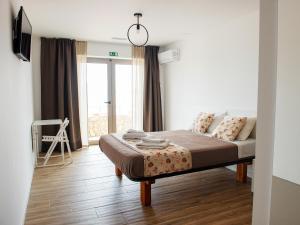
point(109, 92)
point(97, 93)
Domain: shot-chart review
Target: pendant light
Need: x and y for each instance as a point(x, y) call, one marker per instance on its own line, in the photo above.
point(137, 33)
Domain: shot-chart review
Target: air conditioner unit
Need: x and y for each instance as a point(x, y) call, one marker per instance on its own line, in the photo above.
point(168, 56)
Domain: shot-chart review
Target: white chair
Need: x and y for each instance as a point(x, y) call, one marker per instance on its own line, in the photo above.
point(61, 137)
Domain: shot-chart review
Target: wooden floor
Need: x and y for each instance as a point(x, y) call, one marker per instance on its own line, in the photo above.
point(88, 192)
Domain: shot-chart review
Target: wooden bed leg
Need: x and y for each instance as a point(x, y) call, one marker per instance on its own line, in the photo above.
point(118, 172)
point(146, 192)
point(241, 172)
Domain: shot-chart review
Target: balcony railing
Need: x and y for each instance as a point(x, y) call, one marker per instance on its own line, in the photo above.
point(98, 124)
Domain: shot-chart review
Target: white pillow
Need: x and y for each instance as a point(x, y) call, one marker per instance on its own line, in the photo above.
point(247, 129)
point(253, 133)
point(217, 120)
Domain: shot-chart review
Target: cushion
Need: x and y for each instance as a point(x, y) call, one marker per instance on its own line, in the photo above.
point(202, 122)
point(229, 128)
point(247, 129)
point(217, 120)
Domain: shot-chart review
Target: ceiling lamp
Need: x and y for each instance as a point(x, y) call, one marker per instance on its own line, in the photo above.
point(137, 33)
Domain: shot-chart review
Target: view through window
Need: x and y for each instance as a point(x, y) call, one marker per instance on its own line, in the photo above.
point(123, 97)
point(103, 104)
point(97, 88)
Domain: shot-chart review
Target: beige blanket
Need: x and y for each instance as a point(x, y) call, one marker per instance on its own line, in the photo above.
point(174, 158)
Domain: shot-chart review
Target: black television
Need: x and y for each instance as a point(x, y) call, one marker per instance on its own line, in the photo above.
point(22, 36)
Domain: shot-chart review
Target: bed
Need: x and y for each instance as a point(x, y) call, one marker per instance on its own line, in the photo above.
point(206, 153)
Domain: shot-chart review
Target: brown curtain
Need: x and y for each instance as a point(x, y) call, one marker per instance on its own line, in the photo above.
point(152, 96)
point(59, 88)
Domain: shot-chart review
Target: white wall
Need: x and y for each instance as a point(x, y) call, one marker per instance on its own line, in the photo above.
point(218, 71)
point(279, 107)
point(265, 112)
point(101, 49)
point(16, 116)
point(287, 131)
point(36, 73)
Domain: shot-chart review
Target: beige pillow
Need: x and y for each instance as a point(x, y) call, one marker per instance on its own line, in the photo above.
point(246, 131)
point(253, 133)
point(217, 120)
point(202, 122)
point(229, 128)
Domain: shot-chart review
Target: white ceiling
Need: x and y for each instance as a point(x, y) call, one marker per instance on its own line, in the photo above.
point(100, 20)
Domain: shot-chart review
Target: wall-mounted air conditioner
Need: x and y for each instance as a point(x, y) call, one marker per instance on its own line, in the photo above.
point(168, 56)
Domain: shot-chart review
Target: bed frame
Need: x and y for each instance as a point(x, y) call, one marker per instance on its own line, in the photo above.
point(145, 182)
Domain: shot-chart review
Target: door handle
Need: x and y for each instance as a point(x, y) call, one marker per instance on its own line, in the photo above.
point(108, 102)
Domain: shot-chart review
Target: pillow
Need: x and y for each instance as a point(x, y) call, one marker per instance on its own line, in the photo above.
point(217, 120)
point(229, 128)
point(253, 133)
point(246, 131)
point(202, 122)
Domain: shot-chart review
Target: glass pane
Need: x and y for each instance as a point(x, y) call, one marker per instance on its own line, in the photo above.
point(97, 95)
point(123, 97)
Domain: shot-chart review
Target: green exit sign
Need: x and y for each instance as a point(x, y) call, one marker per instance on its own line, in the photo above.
point(113, 54)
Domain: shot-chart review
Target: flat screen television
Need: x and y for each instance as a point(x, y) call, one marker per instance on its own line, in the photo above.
point(22, 36)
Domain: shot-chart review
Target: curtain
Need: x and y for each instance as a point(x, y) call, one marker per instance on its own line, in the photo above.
point(81, 53)
point(138, 54)
point(152, 93)
point(59, 88)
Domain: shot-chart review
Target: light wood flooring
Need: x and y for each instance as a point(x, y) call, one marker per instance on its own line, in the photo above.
point(88, 192)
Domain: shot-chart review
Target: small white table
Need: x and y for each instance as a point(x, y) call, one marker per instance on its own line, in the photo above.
point(60, 137)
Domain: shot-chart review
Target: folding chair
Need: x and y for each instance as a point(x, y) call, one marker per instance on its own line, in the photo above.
point(61, 137)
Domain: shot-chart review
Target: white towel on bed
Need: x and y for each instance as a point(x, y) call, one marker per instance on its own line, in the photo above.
point(149, 145)
point(134, 136)
point(152, 139)
point(129, 131)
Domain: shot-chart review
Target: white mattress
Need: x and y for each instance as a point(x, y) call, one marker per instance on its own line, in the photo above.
point(245, 148)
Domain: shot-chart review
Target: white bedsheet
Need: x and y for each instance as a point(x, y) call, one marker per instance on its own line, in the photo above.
point(245, 148)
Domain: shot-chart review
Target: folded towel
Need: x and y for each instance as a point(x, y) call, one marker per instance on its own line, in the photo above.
point(148, 145)
point(152, 139)
point(134, 135)
point(134, 131)
point(151, 147)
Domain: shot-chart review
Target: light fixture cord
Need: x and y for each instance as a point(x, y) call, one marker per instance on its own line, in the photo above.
point(138, 22)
